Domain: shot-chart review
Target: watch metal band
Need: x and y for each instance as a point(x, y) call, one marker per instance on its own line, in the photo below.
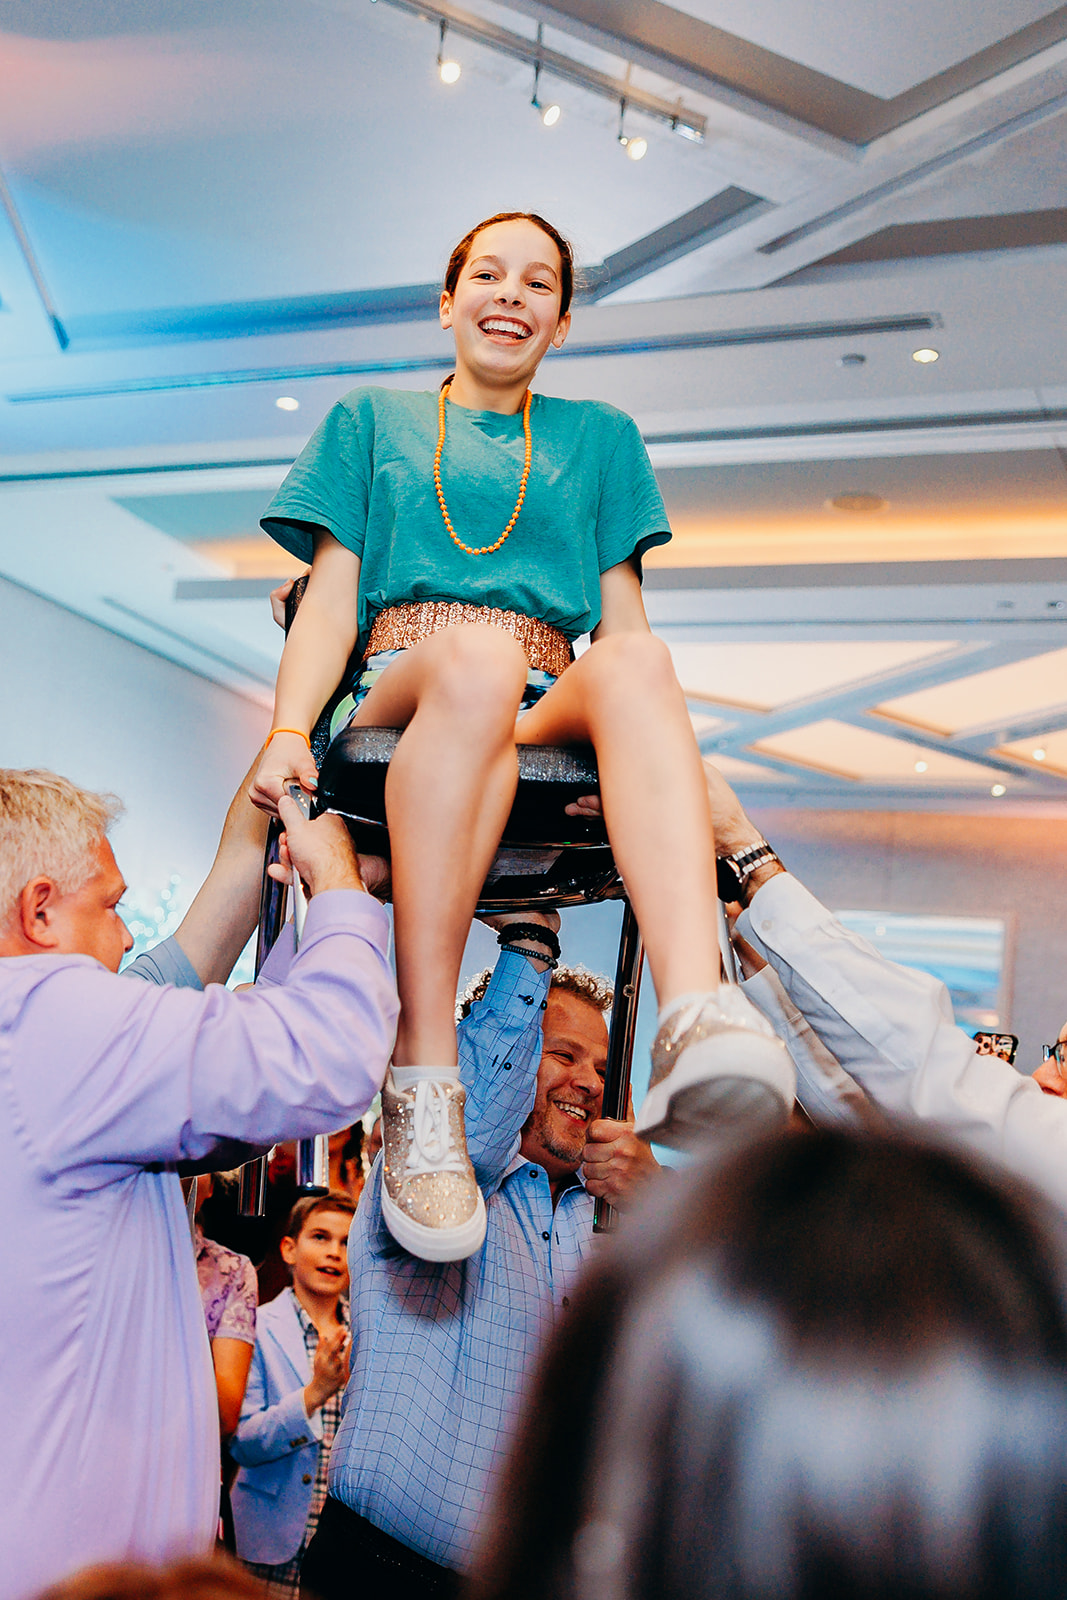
point(745, 862)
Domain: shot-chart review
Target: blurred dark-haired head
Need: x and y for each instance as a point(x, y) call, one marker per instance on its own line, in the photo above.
point(834, 1368)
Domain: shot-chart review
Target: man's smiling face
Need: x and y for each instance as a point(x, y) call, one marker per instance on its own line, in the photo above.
point(570, 1084)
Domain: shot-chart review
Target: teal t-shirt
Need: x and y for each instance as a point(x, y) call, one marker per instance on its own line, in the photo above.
point(366, 475)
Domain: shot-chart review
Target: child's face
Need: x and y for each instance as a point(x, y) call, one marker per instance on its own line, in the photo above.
point(505, 311)
point(318, 1256)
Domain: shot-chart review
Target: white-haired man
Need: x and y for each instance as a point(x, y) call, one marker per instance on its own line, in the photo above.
point(110, 1439)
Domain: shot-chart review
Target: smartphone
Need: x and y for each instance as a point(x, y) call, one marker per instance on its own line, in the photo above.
point(1003, 1045)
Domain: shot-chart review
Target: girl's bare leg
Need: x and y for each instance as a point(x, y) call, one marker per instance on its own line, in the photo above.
point(715, 1061)
point(623, 698)
point(450, 787)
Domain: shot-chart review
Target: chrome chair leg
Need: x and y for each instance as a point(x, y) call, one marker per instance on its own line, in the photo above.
point(252, 1190)
point(621, 1040)
point(313, 1164)
point(726, 949)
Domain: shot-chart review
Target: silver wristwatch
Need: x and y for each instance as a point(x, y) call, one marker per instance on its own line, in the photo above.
point(734, 871)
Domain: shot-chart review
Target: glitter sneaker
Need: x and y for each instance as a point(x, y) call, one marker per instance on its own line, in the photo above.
point(717, 1066)
point(431, 1201)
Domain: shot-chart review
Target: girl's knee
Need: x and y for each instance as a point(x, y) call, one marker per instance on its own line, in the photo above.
point(478, 666)
point(630, 660)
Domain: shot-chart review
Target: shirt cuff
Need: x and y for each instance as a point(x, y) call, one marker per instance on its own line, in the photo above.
point(783, 900)
point(332, 911)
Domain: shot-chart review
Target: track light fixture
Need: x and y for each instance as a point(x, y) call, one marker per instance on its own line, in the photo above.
point(447, 69)
point(551, 113)
point(674, 114)
point(635, 146)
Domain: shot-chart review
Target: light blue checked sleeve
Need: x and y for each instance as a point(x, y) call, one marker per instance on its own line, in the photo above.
point(441, 1352)
point(499, 1054)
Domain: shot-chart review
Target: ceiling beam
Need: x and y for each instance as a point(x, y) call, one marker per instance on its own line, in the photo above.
point(32, 265)
point(679, 237)
point(576, 349)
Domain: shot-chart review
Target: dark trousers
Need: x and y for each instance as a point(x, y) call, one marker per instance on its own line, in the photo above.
point(349, 1557)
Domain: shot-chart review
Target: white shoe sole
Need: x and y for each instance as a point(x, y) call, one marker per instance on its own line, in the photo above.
point(434, 1244)
point(752, 1089)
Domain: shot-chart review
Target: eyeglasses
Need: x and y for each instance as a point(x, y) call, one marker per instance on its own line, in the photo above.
point(1057, 1052)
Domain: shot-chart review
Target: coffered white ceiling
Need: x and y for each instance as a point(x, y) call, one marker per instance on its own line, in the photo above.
point(208, 207)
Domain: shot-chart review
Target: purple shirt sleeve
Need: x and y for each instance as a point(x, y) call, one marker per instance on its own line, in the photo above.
point(163, 1074)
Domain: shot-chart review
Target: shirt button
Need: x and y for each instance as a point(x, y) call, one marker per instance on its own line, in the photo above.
point(527, 999)
point(534, 1172)
point(307, 1477)
point(767, 925)
point(507, 1066)
point(566, 1301)
point(544, 1005)
point(546, 1236)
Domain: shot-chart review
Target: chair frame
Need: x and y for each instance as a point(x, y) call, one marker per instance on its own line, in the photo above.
point(535, 869)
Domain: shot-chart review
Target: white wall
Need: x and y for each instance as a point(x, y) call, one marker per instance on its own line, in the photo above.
point(110, 715)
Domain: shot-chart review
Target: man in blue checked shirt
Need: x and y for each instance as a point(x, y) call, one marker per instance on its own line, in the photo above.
point(440, 1351)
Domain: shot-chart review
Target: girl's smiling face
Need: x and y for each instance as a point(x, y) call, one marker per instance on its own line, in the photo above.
point(505, 310)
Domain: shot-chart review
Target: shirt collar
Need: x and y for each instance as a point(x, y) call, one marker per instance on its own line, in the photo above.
point(303, 1318)
point(518, 1161)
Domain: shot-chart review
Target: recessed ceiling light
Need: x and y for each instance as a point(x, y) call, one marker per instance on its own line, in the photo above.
point(1038, 754)
point(925, 356)
point(998, 789)
point(920, 766)
point(449, 71)
point(286, 402)
point(857, 500)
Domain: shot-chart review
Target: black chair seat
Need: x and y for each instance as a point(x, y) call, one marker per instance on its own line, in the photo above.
point(546, 858)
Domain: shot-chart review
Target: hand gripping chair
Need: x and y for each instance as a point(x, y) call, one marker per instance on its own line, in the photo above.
point(547, 861)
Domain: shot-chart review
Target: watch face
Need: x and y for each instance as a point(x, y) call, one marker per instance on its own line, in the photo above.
point(730, 883)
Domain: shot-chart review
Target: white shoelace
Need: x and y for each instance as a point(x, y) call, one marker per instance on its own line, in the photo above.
point(431, 1148)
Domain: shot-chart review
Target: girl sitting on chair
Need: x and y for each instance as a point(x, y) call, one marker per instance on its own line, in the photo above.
point(466, 538)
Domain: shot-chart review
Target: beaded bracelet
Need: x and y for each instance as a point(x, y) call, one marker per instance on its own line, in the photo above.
point(532, 931)
point(519, 950)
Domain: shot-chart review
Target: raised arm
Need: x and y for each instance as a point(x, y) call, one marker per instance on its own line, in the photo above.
point(167, 1074)
point(891, 1027)
point(222, 917)
point(499, 1054)
point(316, 653)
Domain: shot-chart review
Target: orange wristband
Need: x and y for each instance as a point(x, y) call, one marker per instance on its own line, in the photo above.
point(297, 731)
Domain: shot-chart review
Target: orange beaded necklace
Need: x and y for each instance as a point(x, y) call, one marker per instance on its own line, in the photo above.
point(487, 549)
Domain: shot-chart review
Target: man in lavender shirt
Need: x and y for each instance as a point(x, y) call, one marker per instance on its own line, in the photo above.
point(110, 1438)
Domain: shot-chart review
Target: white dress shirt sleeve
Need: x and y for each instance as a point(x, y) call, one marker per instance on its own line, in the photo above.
point(892, 1029)
point(824, 1089)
